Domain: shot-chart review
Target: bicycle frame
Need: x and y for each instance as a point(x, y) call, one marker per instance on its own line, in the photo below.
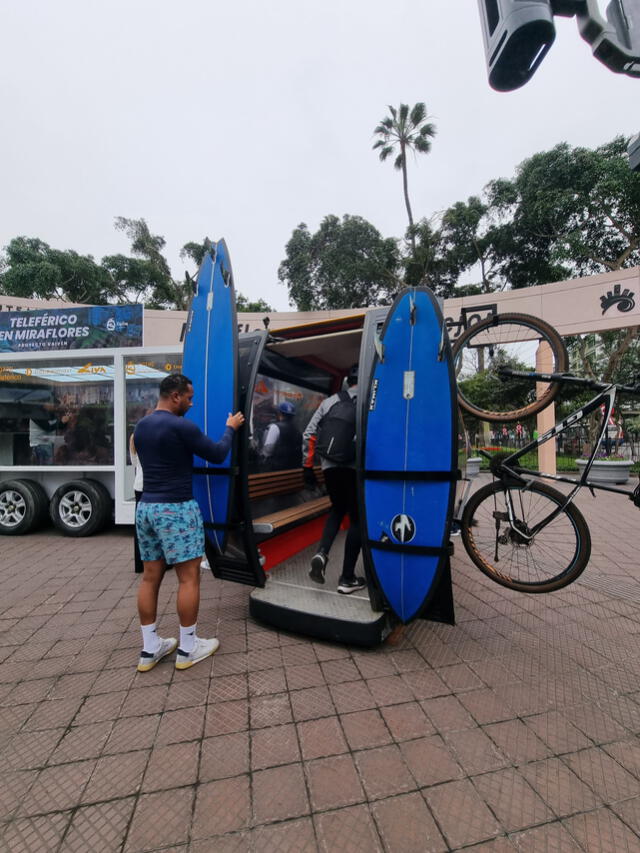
point(506, 469)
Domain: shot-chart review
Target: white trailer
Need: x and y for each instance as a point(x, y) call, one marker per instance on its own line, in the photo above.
point(65, 422)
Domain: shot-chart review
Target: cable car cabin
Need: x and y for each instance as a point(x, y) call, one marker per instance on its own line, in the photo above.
point(276, 521)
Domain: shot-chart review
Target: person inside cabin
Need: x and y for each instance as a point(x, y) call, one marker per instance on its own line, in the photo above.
point(282, 443)
point(169, 523)
point(337, 453)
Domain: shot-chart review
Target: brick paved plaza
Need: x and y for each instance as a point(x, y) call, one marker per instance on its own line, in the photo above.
point(517, 729)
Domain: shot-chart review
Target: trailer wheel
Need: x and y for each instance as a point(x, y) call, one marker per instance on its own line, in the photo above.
point(23, 506)
point(80, 507)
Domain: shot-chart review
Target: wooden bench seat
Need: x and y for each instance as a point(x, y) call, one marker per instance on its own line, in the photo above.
point(287, 481)
point(295, 514)
point(279, 482)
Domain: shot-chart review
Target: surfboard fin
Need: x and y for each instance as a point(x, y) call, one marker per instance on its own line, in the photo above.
point(379, 347)
point(443, 341)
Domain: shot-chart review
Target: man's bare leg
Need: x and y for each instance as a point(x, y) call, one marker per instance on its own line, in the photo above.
point(154, 647)
point(188, 574)
point(148, 590)
point(192, 649)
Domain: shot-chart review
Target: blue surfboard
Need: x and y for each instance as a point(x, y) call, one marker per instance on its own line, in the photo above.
point(210, 360)
point(408, 456)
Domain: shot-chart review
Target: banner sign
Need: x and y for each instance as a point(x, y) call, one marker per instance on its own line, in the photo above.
point(89, 327)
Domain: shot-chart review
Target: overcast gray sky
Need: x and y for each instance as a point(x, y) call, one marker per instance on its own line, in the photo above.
point(241, 120)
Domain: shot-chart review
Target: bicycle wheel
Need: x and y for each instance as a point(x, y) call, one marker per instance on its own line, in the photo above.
point(506, 340)
point(553, 558)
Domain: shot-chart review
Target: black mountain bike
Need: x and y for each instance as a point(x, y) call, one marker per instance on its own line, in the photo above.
point(521, 532)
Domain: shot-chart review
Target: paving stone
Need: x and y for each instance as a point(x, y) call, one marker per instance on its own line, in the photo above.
point(304, 675)
point(32, 834)
point(273, 746)
point(267, 681)
point(603, 774)
point(461, 813)
point(271, 710)
point(365, 729)
point(384, 772)
point(321, 738)
point(560, 735)
point(389, 690)
point(185, 724)
point(227, 688)
point(447, 714)
point(474, 751)
point(406, 825)
point(57, 788)
point(159, 820)
point(349, 830)
point(559, 787)
point(311, 703)
point(172, 766)
point(351, 696)
point(602, 831)
point(28, 750)
point(293, 836)
point(227, 717)
point(100, 828)
point(334, 783)
point(517, 742)
point(132, 733)
point(224, 755)
point(82, 742)
point(430, 761)
point(279, 794)
point(116, 776)
point(552, 837)
point(13, 788)
point(514, 802)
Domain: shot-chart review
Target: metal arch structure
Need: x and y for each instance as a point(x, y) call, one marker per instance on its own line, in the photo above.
point(518, 34)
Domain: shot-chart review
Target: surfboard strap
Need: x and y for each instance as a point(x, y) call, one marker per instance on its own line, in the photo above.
point(417, 550)
point(425, 476)
point(215, 472)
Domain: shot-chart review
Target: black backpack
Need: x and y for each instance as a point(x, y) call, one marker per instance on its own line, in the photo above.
point(337, 431)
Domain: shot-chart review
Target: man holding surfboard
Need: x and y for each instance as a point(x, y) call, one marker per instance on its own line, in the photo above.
point(168, 519)
point(331, 431)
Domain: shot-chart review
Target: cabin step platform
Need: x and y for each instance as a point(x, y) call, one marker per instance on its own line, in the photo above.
point(291, 601)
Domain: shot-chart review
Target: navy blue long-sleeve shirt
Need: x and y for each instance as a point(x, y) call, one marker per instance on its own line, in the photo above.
point(166, 444)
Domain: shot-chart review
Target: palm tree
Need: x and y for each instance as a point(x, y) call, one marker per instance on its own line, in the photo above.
point(405, 130)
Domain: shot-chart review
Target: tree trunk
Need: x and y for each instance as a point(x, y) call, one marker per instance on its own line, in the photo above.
point(405, 187)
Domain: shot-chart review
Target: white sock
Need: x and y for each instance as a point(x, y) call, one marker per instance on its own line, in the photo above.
point(187, 638)
point(150, 638)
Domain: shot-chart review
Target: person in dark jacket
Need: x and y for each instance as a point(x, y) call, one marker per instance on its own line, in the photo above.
point(282, 443)
point(340, 480)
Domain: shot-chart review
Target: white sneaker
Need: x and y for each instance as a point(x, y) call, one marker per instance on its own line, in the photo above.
point(201, 650)
point(149, 659)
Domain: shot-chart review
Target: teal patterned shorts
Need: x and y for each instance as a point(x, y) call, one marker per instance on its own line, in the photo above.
point(170, 530)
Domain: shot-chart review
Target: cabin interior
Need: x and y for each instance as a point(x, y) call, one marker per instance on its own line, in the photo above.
point(300, 365)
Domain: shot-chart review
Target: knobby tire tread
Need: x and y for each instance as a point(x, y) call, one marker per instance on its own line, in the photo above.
point(565, 577)
point(547, 332)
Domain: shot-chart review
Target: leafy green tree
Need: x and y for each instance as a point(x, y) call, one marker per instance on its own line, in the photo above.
point(569, 211)
point(403, 131)
point(32, 269)
point(258, 306)
point(147, 275)
point(345, 264)
point(430, 261)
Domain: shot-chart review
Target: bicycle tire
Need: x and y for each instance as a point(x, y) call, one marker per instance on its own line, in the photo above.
point(509, 340)
point(565, 541)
